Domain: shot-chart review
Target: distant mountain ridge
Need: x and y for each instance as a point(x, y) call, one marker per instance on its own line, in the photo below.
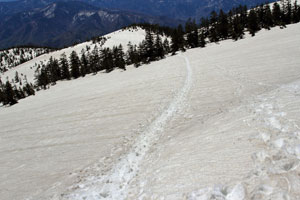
point(64, 23)
point(178, 9)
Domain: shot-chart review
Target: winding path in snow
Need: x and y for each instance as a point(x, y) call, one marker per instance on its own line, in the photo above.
point(115, 184)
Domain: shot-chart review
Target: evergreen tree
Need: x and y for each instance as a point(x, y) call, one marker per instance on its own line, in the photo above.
point(118, 57)
point(133, 56)
point(28, 89)
point(202, 42)
point(54, 70)
point(237, 28)
point(149, 47)
point(223, 25)
point(253, 25)
point(17, 79)
point(191, 29)
point(242, 13)
point(204, 26)
point(166, 46)
point(42, 77)
point(75, 65)
point(287, 11)
point(10, 96)
point(159, 48)
point(178, 41)
point(107, 60)
point(277, 14)
point(19, 93)
point(130, 54)
point(213, 32)
point(84, 67)
point(295, 13)
point(268, 18)
point(94, 60)
point(64, 65)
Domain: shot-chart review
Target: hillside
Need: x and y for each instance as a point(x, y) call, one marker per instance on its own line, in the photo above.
point(217, 122)
point(13, 57)
point(135, 36)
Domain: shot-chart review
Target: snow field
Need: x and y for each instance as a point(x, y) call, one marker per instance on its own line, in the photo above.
point(125, 135)
point(209, 152)
point(114, 185)
point(49, 142)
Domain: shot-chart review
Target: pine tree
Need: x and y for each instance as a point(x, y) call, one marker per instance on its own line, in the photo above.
point(10, 96)
point(166, 46)
point(54, 70)
point(95, 61)
point(75, 65)
point(213, 34)
point(84, 67)
point(298, 12)
point(237, 28)
point(118, 57)
point(129, 54)
point(178, 42)
point(149, 47)
point(253, 25)
point(64, 65)
point(42, 77)
point(223, 25)
point(107, 60)
point(242, 12)
point(204, 26)
point(295, 13)
point(159, 49)
point(287, 11)
point(17, 79)
point(28, 89)
point(19, 93)
point(202, 42)
point(268, 18)
point(277, 14)
point(191, 29)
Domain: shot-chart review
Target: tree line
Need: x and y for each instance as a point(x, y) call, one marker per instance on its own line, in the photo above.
point(231, 25)
point(160, 41)
point(100, 59)
point(13, 57)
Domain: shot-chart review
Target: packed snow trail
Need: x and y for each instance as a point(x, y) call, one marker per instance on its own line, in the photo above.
point(116, 183)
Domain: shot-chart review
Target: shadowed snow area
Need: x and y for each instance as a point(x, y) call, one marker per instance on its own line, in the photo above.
point(222, 122)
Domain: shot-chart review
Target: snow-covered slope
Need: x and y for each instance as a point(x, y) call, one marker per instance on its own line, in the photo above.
point(13, 57)
point(220, 122)
point(135, 36)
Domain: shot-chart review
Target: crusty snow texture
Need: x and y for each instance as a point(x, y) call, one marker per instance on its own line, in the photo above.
point(221, 122)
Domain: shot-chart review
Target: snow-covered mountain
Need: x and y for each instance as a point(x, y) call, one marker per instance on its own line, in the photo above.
point(217, 122)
